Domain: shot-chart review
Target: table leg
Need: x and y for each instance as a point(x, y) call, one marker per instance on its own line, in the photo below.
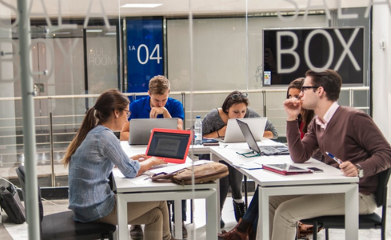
point(122, 216)
point(212, 217)
point(178, 219)
point(351, 213)
point(263, 219)
point(214, 158)
point(245, 191)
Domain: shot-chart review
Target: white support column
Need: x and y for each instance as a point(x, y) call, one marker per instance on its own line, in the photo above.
point(381, 71)
point(31, 196)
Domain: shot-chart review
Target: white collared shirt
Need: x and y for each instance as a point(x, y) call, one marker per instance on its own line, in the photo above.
point(327, 117)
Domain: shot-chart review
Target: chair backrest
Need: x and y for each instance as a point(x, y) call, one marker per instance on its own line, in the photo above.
point(112, 182)
point(382, 188)
point(22, 179)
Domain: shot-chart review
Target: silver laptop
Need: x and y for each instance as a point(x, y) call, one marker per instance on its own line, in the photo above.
point(140, 128)
point(261, 150)
point(234, 134)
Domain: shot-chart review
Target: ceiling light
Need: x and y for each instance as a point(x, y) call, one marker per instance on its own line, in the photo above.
point(141, 5)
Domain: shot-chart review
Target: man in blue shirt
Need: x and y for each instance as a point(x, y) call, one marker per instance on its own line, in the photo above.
point(156, 105)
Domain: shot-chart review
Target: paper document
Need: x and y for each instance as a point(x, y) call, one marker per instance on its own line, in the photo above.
point(248, 165)
point(242, 145)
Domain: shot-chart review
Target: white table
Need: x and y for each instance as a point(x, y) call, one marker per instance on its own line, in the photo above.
point(142, 189)
point(273, 184)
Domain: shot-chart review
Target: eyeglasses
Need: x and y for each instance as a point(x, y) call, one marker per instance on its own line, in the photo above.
point(127, 113)
point(239, 95)
point(303, 88)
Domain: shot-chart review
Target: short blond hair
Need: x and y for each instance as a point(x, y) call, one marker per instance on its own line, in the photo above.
point(159, 85)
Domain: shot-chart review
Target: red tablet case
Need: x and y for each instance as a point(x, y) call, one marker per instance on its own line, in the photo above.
point(166, 159)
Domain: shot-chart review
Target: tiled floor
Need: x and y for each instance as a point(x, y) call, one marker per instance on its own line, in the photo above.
point(196, 230)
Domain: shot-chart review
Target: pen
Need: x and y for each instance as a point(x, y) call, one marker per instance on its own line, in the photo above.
point(334, 158)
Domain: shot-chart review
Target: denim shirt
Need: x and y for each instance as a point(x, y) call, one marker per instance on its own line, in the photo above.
point(90, 196)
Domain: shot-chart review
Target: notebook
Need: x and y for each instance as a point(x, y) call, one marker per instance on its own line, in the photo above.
point(140, 128)
point(233, 133)
point(285, 169)
point(252, 143)
point(170, 145)
point(210, 142)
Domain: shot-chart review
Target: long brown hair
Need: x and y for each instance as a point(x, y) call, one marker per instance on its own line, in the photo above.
point(306, 115)
point(106, 103)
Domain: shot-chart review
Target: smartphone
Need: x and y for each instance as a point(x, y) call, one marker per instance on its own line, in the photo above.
point(315, 169)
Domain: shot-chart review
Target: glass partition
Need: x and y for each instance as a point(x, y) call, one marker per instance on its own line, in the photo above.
point(73, 56)
point(207, 52)
point(208, 49)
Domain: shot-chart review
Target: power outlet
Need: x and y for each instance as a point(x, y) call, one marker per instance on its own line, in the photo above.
point(39, 88)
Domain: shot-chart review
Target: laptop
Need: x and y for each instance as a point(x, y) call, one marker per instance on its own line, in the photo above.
point(140, 128)
point(285, 169)
point(234, 134)
point(262, 150)
point(170, 145)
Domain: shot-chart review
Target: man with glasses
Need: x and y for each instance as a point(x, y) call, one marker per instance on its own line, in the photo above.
point(347, 133)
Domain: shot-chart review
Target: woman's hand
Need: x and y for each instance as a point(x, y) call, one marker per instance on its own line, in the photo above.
point(222, 131)
point(156, 161)
point(147, 164)
point(140, 157)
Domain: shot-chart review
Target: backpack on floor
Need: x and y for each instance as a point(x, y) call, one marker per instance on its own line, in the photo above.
point(10, 202)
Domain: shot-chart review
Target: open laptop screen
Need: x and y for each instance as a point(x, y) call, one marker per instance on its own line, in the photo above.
point(170, 145)
point(140, 128)
point(252, 144)
point(233, 133)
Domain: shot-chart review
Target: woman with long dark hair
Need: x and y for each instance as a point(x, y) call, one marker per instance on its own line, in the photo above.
point(91, 157)
point(305, 116)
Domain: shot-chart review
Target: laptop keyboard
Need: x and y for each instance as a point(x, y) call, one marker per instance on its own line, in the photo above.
point(274, 150)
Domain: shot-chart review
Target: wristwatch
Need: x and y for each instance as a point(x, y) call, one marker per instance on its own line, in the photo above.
point(360, 171)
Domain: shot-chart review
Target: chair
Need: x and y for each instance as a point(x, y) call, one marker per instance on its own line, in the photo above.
point(62, 226)
point(365, 221)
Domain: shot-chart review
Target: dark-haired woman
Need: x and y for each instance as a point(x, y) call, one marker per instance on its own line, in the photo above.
point(91, 157)
point(214, 125)
point(305, 116)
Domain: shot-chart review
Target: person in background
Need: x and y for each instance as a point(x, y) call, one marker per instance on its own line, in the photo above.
point(91, 157)
point(305, 116)
point(214, 125)
point(157, 105)
point(303, 120)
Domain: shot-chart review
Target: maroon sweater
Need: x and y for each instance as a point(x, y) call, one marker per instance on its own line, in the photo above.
point(351, 135)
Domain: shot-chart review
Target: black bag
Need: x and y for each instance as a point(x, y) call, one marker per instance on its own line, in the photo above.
point(10, 202)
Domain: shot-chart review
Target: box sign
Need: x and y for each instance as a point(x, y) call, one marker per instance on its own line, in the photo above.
point(144, 52)
point(289, 53)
